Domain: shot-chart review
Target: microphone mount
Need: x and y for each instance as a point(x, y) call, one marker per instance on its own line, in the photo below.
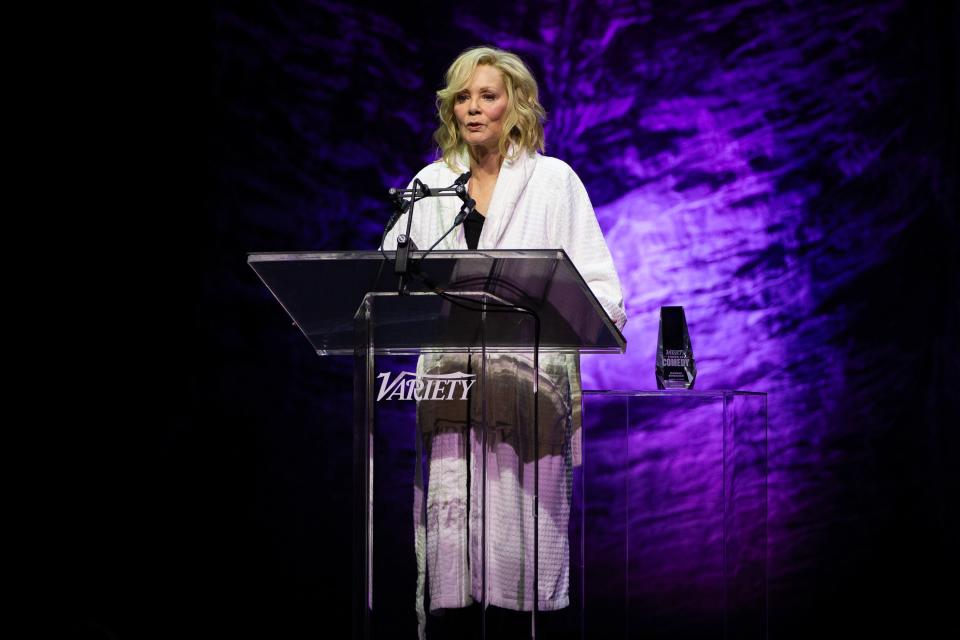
point(404, 200)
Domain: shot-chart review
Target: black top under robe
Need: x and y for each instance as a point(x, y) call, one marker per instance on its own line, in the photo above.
point(472, 226)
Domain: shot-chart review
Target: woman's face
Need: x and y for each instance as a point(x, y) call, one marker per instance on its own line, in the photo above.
point(481, 108)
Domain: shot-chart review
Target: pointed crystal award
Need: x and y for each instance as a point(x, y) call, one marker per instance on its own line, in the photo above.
point(675, 366)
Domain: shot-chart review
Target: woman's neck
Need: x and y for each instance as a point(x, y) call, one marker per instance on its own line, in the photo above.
point(485, 163)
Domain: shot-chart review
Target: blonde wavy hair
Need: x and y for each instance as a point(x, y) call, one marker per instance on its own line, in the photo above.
point(523, 126)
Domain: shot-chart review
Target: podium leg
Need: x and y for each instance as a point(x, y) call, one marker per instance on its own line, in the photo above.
point(364, 418)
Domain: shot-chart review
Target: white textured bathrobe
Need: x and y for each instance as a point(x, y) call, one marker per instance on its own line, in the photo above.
point(538, 203)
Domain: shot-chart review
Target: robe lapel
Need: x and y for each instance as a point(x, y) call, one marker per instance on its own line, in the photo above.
point(457, 239)
point(513, 179)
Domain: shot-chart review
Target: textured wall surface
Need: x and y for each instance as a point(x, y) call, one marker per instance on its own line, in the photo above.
point(786, 171)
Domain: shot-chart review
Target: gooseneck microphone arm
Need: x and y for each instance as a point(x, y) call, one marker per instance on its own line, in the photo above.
point(404, 201)
point(469, 204)
point(404, 242)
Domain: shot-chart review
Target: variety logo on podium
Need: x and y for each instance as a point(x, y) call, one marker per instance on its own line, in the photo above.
point(411, 386)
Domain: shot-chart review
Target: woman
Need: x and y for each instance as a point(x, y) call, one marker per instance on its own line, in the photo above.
point(491, 123)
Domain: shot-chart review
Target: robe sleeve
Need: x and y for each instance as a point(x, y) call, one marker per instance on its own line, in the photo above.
point(580, 236)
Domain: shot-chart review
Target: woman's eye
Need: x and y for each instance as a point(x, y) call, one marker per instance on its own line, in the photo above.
point(489, 96)
point(461, 98)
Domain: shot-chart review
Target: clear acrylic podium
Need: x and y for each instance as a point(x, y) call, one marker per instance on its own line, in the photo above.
point(465, 519)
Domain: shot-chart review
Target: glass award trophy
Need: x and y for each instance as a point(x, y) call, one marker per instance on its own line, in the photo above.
point(675, 367)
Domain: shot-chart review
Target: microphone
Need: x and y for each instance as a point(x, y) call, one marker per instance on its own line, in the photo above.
point(400, 207)
point(459, 186)
point(462, 179)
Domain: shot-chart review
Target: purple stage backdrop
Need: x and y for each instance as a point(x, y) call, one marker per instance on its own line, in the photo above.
point(786, 171)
